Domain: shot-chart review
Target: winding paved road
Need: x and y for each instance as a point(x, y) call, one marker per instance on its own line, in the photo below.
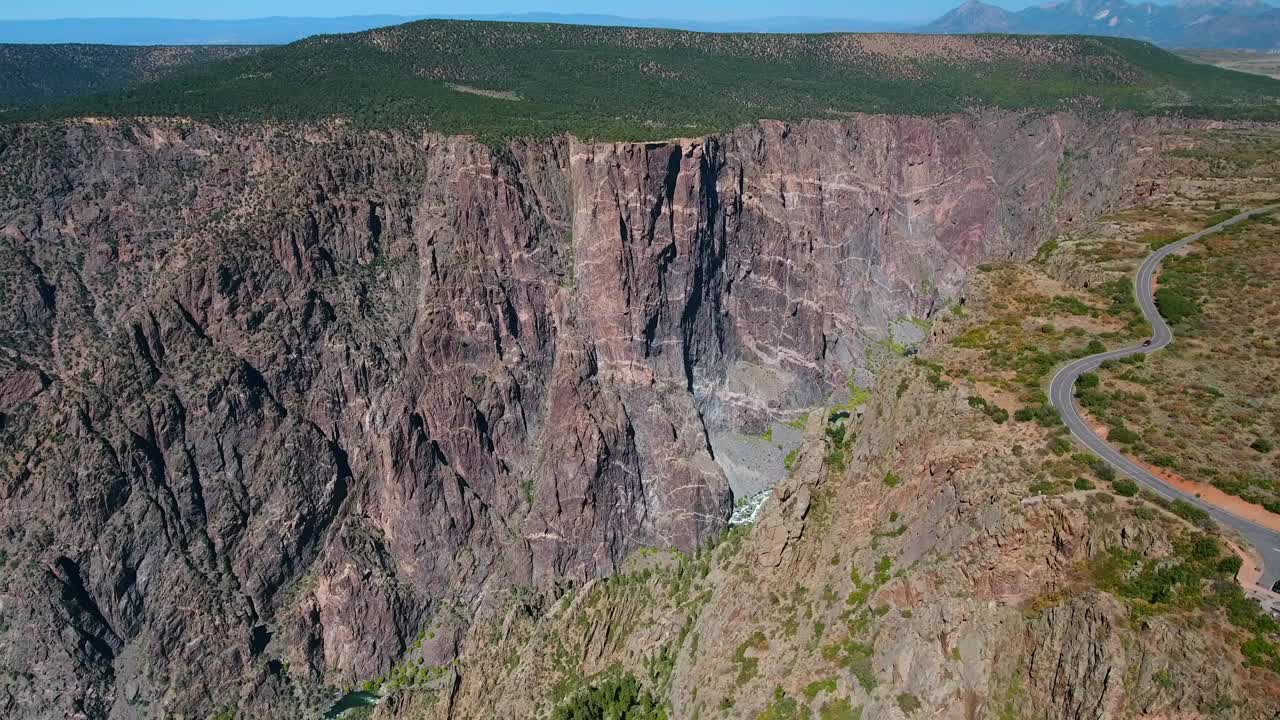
point(1061, 391)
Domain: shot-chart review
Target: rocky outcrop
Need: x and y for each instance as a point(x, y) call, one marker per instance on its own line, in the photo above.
point(952, 593)
point(1077, 659)
point(280, 404)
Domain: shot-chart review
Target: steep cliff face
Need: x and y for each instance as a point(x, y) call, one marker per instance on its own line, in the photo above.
point(793, 246)
point(274, 401)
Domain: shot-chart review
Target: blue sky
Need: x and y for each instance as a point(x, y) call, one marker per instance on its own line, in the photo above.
point(687, 9)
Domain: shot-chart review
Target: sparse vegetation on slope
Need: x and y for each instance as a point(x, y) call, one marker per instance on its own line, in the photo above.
point(1217, 297)
point(1216, 424)
point(1196, 575)
point(613, 698)
point(503, 79)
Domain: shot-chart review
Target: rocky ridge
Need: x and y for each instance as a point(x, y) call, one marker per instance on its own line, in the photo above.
point(282, 404)
point(946, 593)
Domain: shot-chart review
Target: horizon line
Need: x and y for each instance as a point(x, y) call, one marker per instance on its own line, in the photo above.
point(461, 16)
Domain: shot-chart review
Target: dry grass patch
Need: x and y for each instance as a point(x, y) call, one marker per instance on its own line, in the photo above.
point(495, 94)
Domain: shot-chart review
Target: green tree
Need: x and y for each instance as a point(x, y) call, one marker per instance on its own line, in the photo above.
point(613, 698)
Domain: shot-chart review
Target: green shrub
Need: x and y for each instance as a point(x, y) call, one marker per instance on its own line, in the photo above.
point(839, 710)
point(1083, 483)
point(882, 569)
point(1187, 511)
point(748, 666)
point(891, 479)
point(817, 686)
point(1046, 249)
point(1045, 415)
point(1124, 486)
point(1059, 446)
point(789, 462)
point(1243, 611)
point(972, 339)
point(855, 657)
point(1262, 445)
point(838, 440)
point(1100, 468)
point(933, 373)
point(783, 708)
point(1045, 487)
point(1122, 434)
point(1095, 400)
point(908, 703)
point(1174, 306)
point(858, 395)
point(1062, 469)
point(1193, 575)
point(1069, 305)
point(1260, 652)
point(998, 414)
point(1230, 565)
point(614, 698)
point(1166, 581)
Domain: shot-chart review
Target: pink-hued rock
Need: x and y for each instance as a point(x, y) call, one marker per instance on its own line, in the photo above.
point(18, 385)
point(296, 395)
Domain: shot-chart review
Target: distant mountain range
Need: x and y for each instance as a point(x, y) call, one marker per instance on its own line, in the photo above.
point(1242, 24)
point(1236, 24)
